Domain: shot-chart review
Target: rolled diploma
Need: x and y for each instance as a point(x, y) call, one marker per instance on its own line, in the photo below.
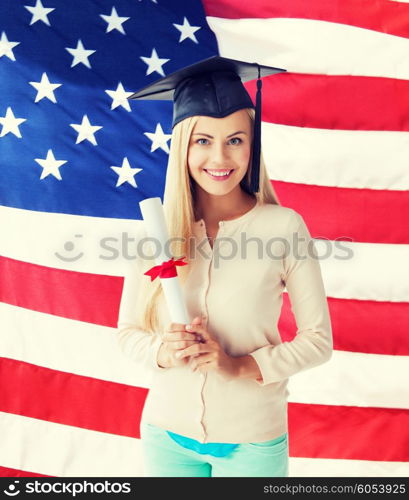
point(152, 212)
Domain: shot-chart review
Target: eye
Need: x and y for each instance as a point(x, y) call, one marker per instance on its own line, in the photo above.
point(235, 141)
point(202, 141)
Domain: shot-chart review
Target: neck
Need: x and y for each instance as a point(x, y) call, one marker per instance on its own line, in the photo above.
point(214, 208)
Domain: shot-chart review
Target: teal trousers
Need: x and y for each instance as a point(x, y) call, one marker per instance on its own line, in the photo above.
point(164, 457)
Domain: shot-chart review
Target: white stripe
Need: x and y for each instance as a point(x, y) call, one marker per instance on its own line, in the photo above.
point(337, 158)
point(310, 46)
point(47, 448)
point(41, 238)
point(364, 271)
point(34, 445)
point(352, 278)
point(67, 345)
point(89, 350)
point(319, 467)
point(354, 379)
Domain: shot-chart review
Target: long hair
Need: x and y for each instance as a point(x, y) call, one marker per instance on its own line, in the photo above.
point(179, 208)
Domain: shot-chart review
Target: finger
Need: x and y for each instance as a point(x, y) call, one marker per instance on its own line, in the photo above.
point(177, 337)
point(192, 350)
point(199, 329)
point(183, 344)
point(176, 327)
point(200, 359)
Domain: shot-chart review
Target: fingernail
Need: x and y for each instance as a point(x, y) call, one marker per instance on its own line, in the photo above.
point(188, 327)
point(178, 354)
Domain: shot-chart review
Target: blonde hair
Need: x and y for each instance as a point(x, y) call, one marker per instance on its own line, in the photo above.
point(179, 211)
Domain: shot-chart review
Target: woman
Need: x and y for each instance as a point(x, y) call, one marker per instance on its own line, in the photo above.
point(218, 400)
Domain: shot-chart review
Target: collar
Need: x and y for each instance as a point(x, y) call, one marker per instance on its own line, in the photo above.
point(233, 222)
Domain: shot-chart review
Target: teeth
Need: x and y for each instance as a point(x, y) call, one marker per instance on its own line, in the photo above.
point(219, 173)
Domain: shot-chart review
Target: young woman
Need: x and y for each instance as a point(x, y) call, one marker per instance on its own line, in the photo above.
point(217, 405)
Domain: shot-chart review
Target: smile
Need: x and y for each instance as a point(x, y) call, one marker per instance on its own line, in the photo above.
point(219, 175)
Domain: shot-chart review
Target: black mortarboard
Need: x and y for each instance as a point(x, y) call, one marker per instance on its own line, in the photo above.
point(213, 87)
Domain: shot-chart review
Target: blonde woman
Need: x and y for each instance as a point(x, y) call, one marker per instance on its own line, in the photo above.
point(217, 405)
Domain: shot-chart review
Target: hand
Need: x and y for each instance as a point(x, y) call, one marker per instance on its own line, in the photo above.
point(208, 355)
point(174, 340)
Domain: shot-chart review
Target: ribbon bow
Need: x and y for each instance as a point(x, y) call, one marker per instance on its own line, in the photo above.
point(166, 270)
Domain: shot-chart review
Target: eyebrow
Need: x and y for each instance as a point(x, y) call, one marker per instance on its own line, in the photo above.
point(211, 137)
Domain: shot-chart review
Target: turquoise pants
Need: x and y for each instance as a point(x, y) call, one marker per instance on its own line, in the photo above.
point(163, 457)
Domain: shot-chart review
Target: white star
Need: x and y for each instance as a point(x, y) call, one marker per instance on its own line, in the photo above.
point(6, 47)
point(119, 97)
point(39, 12)
point(11, 123)
point(45, 88)
point(50, 165)
point(114, 21)
point(85, 130)
point(154, 63)
point(126, 173)
point(80, 54)
point(159, 139)
point(186, 31)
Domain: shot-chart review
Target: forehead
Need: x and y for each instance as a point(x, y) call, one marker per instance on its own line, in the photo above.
point(239, 120)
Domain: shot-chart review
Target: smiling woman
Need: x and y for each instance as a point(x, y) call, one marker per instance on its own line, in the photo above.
point(218, 158)
point(217, 405)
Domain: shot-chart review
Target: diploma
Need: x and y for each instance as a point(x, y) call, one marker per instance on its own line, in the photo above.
point(153, 216)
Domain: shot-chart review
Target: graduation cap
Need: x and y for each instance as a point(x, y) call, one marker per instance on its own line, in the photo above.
point(213, 87)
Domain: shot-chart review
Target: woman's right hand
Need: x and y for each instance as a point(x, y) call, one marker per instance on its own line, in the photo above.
point(175, 339)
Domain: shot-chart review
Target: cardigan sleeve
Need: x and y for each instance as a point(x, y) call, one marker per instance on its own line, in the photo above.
point(139, 345)
point(313, 342)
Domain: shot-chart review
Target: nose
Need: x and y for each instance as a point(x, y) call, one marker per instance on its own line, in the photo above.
point(219, 154)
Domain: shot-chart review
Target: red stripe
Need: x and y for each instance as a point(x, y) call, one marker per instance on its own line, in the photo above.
point(349, 214)
point(317, 431)
point(359, 325)
point(69, 399)
point(348, 432)
point(335, 102)
point(87, 297)
point(8, 472)
point(384, 16)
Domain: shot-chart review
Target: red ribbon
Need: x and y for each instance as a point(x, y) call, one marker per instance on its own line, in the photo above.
point(167, 269)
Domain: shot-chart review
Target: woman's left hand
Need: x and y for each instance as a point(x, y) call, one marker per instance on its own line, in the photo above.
point(209, 355)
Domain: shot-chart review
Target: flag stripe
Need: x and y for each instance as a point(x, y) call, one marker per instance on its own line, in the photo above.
point(105, 455)
point(353, 260)
point(387, 429)
point(359, 325)
point(336, 158)
point(70, 399)
point(104, 407)
point(9, 472)
point(358, 204)
point(381, 383)
point(67, 346)
point(81, 296)
point(382, 15)
point(81, 243)
point(59, 450)
point(361, 380)
point(296, 45)
point(335, 102)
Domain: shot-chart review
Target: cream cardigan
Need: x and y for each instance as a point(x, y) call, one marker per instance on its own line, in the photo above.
point(238, 287)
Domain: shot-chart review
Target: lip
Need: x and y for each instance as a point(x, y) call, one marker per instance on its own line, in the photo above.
point(219, 178)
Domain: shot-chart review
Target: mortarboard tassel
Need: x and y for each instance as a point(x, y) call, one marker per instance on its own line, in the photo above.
point(255, 171)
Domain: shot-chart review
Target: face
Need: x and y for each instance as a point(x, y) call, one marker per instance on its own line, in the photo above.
point(219, 152)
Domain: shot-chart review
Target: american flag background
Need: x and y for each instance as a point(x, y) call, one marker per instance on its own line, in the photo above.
point(76, 157)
